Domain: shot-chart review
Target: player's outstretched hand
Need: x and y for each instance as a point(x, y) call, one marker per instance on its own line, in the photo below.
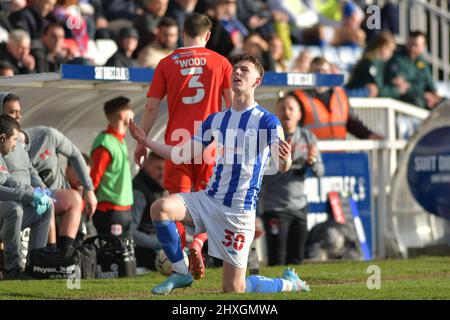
point(136, 132)
point(140, 153)
point(284, 149)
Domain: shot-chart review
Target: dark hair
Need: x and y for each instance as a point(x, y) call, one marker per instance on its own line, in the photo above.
point(320, 61)
point(416, 34)
point(114, 106)
point(5, 65)
point(197, 24)
point(167, 22)
point(10, 97)
point(52, 25)
point(381, 40)
point(8, 124)
point(153, 156)
point(246, 57)
point(293, 95)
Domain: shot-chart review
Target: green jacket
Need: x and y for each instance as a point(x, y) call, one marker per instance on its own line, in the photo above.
point(368, 71)
point(116, 184)
point(416, 72)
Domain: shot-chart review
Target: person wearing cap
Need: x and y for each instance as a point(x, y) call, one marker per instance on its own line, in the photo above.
point(127, 42)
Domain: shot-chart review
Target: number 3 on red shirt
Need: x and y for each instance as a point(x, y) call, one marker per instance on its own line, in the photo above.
point(194, 83)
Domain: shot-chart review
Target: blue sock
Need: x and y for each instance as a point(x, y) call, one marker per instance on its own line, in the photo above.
point(169, 238)
point(260, 284)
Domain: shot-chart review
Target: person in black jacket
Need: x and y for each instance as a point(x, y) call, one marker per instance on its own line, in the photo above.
point(147, 188)
point(127, 41)
point(34, 18)
point(48, 52)
point(16, 53)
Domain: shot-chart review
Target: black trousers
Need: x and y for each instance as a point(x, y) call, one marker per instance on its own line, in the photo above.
point(113, 222)
point(286, 235)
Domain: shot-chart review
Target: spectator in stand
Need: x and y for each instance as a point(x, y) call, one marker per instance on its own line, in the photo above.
point(369, 71)
point(6, 70)
point(220, 40)
point(34, 18)
point(314, 26)
point(326, 111)
point(127, 41)
point(49, 53)
point(409, 67)
point(16, 53)
point(277, 51)
point(116, 10)
point(302, 62)
point(69, 14)
point(147, 188)
point(6, 8)
point(390, 15)
point(256, 46)
point(165, 42)
point(179, 10)
point(226, 13)
point(147, 23)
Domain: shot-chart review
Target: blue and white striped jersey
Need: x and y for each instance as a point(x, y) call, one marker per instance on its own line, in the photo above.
point(243, 140)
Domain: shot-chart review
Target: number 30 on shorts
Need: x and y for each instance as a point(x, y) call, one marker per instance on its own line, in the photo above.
point(237, 240)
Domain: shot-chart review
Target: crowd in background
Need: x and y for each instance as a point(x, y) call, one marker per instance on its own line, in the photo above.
point(39, 35)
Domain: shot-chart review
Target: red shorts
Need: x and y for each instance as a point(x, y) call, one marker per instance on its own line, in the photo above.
point(184, 177)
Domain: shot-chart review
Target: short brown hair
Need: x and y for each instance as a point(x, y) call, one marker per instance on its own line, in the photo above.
point(382, 39)
point(152, 156)
point(197, 24)
point(246, 57)
point(7, 125)
point(320, 61)
point(116, 105)
point(167, 22)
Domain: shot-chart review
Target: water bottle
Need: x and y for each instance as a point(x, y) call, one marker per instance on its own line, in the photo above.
point(253, 262)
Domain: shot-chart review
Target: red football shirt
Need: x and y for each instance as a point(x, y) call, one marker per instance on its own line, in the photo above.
point(193, 78)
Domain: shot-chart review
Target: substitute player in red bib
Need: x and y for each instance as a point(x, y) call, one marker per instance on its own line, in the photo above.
point(194, 79)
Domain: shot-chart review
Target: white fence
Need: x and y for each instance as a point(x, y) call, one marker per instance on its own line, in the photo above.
point(382, 116)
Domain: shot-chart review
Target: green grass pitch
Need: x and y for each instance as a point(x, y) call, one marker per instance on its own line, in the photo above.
point(421, 278)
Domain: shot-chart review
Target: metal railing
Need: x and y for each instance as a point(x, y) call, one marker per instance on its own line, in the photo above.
point(380, 115)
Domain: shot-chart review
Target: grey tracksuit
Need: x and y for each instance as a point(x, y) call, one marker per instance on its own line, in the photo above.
point(285, 191)
point(16, 214)
point(20, 166)
point(17, 178)
point(18, 161)
point(46, 144)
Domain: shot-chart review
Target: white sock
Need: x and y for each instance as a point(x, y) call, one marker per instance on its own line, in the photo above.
point(287, 286)
point(180, 267)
